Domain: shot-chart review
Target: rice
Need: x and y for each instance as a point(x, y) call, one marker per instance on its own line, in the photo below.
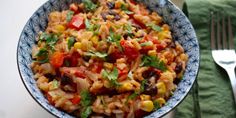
point(113, 58)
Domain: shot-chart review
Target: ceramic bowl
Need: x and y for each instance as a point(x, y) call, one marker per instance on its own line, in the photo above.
point(182, 31)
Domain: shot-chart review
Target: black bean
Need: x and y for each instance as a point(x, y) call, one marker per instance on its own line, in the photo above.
point(50, 76)
point(148, 74)
point(86, 58)
point(110, 5)
point(178, 68)
point(65, 80)
point(150, 90)
point(117, 17)
point(104, 16)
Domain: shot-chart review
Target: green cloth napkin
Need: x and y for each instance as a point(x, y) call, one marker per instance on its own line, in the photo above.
point(211, 95)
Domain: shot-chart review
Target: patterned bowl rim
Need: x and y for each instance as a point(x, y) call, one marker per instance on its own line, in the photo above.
point(163, 114)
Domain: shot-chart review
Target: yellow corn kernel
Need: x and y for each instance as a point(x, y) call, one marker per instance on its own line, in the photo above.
point(152, 52)
point(108, 65)
point(161, 87)
point(145, 97)
point(94, 39)
point(78, 45)
point(147, 105)
point(126, 87)
point(60, 28)
point(161, 101)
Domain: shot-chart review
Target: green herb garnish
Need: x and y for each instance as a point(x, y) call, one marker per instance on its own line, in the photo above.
point(156, 105)
point(89, 5)
point(154, 27)
point(69, 15)
point(50, 39)
point(86, 98)
point(125, 9)
point(86, 112)
point(112, 76)
point(136, 93)
point(42, 56)
point(115, 38)
point(148, 43)
point(153, 62)
point(128, 29)
point(86, 101)
point(142, 87)
point(70, 42)
point(92, 27)
point(96, 54)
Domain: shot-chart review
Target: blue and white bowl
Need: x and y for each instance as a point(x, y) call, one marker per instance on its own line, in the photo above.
point(181, 28)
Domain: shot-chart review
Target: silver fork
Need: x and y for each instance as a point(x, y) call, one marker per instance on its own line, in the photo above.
point(224, 55)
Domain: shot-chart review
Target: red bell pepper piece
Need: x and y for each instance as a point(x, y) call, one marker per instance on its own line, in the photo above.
point(77, 22)
point(57, 59)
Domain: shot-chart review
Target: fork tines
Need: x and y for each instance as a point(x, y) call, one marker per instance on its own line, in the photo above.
point(222, 37)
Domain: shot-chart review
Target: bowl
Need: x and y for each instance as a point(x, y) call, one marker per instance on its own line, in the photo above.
point(182, 31)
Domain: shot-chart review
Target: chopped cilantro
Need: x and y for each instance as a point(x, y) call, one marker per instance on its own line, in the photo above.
point(153, 62)
point(128, 29)
point(86, 112)
point(86, 98)
point(96, 54)
point(156, 105)
point(154, 27)
point(142, 87)
point(136, 93)
point(50, 39)
point(69, 15)
point(89, 5)
point(115, 38)
point(112, 76)
point(70, 42)
point(42, 55)
point(148, 43)
point(92, 27)
point(86, 101)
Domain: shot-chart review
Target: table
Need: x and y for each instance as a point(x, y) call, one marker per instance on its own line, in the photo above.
point(15, 101)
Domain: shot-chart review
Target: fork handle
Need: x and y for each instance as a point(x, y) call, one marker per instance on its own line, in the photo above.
point(232, 78)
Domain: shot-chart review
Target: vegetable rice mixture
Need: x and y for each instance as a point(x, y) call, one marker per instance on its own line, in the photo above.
point(107, 58)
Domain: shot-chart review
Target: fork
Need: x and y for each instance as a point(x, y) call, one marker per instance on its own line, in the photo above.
point(222, 48)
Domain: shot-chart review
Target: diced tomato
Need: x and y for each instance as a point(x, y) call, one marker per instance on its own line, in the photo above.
point(76, 100)
point(97, 66)
point(130, 52)
point(115, 55)
point(160, 47)
point(71, 60)
point(57, 59)
point(74, 59)
point(77, 22)
point(74, 7)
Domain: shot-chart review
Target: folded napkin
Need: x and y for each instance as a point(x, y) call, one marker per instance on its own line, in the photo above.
point(211, 95)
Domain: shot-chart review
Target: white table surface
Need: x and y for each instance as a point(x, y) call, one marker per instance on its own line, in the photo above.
point(15, 101)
